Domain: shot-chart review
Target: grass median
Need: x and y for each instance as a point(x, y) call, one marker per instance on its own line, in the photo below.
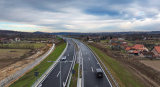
point(28, 79)
point(123, 76)
point(74, 76)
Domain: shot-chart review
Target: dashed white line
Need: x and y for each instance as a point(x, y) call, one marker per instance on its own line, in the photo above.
point(88, 59)
point(86, 52)
point(58, 73)
point(68, 54)
point(92, 69)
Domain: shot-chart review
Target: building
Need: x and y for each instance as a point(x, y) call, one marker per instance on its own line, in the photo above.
point(146, 54)
point(156, 51)
point(136, 49)
point(17, 39)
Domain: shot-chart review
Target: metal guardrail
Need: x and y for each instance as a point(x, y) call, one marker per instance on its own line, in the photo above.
point(115, 82)
point(48, 71)
point(19, 73)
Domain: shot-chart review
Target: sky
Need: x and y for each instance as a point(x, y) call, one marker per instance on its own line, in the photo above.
point(80, 15)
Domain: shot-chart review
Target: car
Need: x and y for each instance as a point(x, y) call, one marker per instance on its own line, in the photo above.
point(99, 73)
point(63, 58)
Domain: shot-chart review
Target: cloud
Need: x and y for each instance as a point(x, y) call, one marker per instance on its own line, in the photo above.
point(80, 15)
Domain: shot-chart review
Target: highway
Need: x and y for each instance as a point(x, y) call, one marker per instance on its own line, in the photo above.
point(53, 79)
point(89, 64)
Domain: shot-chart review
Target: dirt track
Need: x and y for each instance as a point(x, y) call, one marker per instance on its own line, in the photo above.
point(147, 75)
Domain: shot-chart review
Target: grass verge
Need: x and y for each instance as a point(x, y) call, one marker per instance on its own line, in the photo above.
point(74, 76)
point(28, 79)
point(123, 76)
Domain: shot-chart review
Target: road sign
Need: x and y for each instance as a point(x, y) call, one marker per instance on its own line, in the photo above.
point(73, 71)
point(36, 74)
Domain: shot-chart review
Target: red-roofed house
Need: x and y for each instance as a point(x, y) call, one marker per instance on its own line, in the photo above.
point(140, 47)
point(136, 49)
point(124, 45)
point(156, 51)
point(113, 41)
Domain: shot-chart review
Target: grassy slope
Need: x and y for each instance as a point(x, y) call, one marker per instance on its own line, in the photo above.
point(123, 76)
point(28, 79)
point(74, 77)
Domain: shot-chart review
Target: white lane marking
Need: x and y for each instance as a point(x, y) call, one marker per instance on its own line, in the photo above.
point(64, 84)
point(92, 69)
point(88, 59)
point(58, 73)
point(68, 54)
point(86, 52)
point(40, 85)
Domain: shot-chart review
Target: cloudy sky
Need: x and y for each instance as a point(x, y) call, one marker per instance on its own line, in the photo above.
point(80, 15)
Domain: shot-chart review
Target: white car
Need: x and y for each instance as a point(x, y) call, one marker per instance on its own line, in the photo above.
point(63, 58)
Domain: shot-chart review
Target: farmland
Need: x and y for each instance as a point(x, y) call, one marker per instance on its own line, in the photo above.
point(12, 53)
point(21, 45)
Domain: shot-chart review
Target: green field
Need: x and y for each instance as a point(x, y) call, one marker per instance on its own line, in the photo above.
point(38, 39)
point(22, 45)
point(123, 76)
point(104, 41)
point(74, 76)
point(28, 79)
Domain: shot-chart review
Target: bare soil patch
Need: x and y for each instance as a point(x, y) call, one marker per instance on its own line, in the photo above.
point(155, 64)
point(13, 64)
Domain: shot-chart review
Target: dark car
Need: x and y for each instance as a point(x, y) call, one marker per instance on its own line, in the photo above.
point(99, 73)
point(63, 58)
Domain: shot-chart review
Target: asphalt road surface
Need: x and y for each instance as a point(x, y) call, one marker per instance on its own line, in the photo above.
point(89, 64)
point(53, 79)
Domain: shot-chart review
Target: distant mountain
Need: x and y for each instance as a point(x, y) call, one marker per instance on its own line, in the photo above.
point(10, 31)
point(38, 32)
point(78, 33)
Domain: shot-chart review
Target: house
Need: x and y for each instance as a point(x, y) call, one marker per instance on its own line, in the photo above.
point(113, 41)
point(136, 49)
point(128, 48)
point(17, 39)
point(10, 40)
point(140, 47)
point(124, 45)
point(156, 51)
point(146, 54)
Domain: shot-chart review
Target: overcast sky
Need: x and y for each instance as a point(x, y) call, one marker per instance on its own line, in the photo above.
point(80, 15)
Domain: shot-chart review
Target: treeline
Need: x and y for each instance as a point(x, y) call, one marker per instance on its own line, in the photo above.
point(16, 46)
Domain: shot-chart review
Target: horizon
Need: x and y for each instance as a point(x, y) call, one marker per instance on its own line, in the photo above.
point(80, 16)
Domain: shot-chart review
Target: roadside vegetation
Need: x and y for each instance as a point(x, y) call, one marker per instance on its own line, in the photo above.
point(74, 76)
point(28, 79)
point(124, 77)
point(58, 38)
